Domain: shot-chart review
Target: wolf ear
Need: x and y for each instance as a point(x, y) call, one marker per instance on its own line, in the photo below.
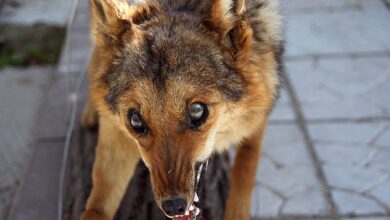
point(224, 14)
point(109, 19)
point(106, 11)
point(229, 19)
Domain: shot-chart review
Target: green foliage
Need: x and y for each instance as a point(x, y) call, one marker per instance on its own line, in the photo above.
point(27, 57)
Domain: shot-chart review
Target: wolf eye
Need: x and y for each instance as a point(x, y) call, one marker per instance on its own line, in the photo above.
point(137, 123)
point(198, 113)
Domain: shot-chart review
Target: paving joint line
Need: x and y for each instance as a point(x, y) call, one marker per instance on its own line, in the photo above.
point(321, 217)
point(373, 54)
point(294, 217)
point(332, 120)
point(275, 192)
point(301, 122)
point(349, 120)
point(374, 139)
point(366, 195)
point(325, 9)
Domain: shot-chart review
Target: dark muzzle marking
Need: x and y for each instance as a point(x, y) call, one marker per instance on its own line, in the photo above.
point(194, 210)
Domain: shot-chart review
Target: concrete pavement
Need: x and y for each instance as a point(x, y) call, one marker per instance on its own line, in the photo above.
point(331, 161)
point(21, 92)
point(327, 148)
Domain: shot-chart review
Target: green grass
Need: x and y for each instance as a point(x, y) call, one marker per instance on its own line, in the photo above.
point(27, 57)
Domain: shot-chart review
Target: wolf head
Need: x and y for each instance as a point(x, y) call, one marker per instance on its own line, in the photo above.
point(184, 79)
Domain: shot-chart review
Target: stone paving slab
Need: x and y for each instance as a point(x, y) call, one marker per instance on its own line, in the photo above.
point(57, 107)
point(368, 218)
point(356, 166)
point(21, 96)
point(283, 108)
point(76, 48)
point(74, 57)
point(336, 26)
point(38, 195)
point(27, 12)
point(287, 183)
point(308, 6)
point(81, 20)
point(342, 88)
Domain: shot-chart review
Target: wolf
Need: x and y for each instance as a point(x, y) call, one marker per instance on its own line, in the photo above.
point(172, 82)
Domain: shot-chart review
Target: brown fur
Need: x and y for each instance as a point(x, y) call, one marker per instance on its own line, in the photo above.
point(158, 58)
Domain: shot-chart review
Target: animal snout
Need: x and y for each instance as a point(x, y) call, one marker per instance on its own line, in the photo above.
point(174, 206)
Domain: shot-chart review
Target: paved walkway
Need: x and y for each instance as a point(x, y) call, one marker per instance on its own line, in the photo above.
point(23, 23)
point(327, 149)
point(21, 92)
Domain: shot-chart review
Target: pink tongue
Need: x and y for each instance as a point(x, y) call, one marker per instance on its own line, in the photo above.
point(184, 217)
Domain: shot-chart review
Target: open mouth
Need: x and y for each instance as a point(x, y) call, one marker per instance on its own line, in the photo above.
point(194, 210)
point(191, 214)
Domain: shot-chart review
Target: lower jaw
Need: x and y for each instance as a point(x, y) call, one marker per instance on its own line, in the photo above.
point(190, 214)
point(193, 211)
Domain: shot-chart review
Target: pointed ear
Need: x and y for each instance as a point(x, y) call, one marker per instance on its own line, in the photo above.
point(106, 11)
point(109, 19)
point(221, 18)
point(224, 14)
point(229, 19)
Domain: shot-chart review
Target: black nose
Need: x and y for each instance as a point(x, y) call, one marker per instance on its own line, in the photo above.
point(174, 206)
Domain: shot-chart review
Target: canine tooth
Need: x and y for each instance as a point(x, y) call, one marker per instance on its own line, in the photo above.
point(197, 211)
point(187, 213)
point(196, 198)
point(191, 207)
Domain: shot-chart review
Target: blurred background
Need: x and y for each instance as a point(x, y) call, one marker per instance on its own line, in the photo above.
point(327, 148)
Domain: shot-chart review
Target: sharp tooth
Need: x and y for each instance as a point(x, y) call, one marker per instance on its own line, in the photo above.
point(196, 198)
point(187, 213)
point(197, 211)
point(191, 207)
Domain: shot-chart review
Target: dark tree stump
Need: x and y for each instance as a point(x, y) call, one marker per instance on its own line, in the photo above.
point(138, 203)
